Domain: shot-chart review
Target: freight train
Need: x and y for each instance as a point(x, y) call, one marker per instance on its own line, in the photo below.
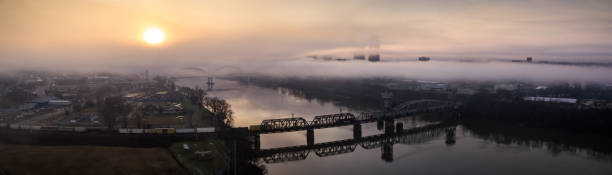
point(159, 131)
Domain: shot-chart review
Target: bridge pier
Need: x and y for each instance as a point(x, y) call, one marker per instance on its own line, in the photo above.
point(356, 130)
point(399, 127)
point(389, 126)
point(450, 136)
point(387, 152)
point(255, 142)
point(310, 137)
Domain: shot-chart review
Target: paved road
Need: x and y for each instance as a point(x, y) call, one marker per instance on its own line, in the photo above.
point(40, 117)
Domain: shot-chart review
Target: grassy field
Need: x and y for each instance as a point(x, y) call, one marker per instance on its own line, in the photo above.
point(33, 159)
point(188, 157)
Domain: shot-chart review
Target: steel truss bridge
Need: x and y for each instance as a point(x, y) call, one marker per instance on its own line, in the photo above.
point(342, 119)
point(408, 137)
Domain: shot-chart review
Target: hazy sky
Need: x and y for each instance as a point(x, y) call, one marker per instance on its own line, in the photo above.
point(107, 33)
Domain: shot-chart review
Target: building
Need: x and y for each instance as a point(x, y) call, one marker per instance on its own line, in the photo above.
point(341, 59)
point(59, 102)
point(432, 86)
point(541, 88)
point(172, 110)
point(506, 87)
point(27, 106)
point(424, 58)
point(358, 57)
point(374, 57)
point(529, 59)
point(418, 85)
point(466, 91)
point(551, 99)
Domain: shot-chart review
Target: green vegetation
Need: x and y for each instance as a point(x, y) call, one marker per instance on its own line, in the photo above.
point(212, 164)
point(538, 115)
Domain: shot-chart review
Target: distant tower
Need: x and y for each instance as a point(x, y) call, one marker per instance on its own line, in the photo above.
point(172, 84)
point(146, 75)
point(210, 83)
point(387, 97)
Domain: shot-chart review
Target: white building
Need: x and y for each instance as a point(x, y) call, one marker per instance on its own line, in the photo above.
point(60, 102)
point(551, 99)
point(506, 87)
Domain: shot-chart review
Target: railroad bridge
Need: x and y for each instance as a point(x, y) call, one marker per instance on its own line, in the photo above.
point(386, 141)
point(342, 119)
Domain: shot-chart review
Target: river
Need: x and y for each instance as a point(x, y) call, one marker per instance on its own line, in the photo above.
point(476, 149)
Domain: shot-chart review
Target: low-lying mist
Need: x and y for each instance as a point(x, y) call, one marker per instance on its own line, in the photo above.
point(432, 70)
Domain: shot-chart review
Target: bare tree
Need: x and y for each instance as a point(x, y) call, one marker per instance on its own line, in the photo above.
point(112, 108)
point(138, 115)
point(221, 110)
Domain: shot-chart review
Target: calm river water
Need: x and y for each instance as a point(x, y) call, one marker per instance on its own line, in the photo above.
point(475, 151)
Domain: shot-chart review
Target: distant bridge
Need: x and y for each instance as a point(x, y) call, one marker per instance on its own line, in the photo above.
point(341, 119)
point(409, 136)
point(190, 76)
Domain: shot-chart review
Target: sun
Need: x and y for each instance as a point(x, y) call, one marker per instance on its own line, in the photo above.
point(153, 35)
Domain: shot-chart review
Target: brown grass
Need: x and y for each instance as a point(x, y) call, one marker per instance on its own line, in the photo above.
point(32, 159)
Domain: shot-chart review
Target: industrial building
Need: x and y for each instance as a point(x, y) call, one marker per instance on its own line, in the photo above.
point(423, 58)
point(358, 57)
point(374, 57)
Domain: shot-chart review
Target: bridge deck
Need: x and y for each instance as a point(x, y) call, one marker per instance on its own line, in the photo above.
point(343, 119)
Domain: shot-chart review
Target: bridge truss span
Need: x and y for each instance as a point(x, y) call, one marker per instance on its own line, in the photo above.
point(333, 119)
point(335, 150)
point(286, 156)
point(284, 124)
point(340, 119)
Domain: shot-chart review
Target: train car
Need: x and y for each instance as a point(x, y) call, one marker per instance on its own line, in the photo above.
point(165, 130)
point(205, 130)
point(124, 131)
point(36, 128)
point(66, 129)
point(3, 125)
point(185, 130)
point(14, 126)
point(137, 131)
point(80, 129)
point(48, 128)
point(149, 131)
point(25, 127)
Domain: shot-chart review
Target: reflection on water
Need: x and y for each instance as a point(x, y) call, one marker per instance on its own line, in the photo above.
point(473, 147)
point(556, 142)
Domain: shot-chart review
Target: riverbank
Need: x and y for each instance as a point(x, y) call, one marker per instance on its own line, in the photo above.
point(204, 157)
